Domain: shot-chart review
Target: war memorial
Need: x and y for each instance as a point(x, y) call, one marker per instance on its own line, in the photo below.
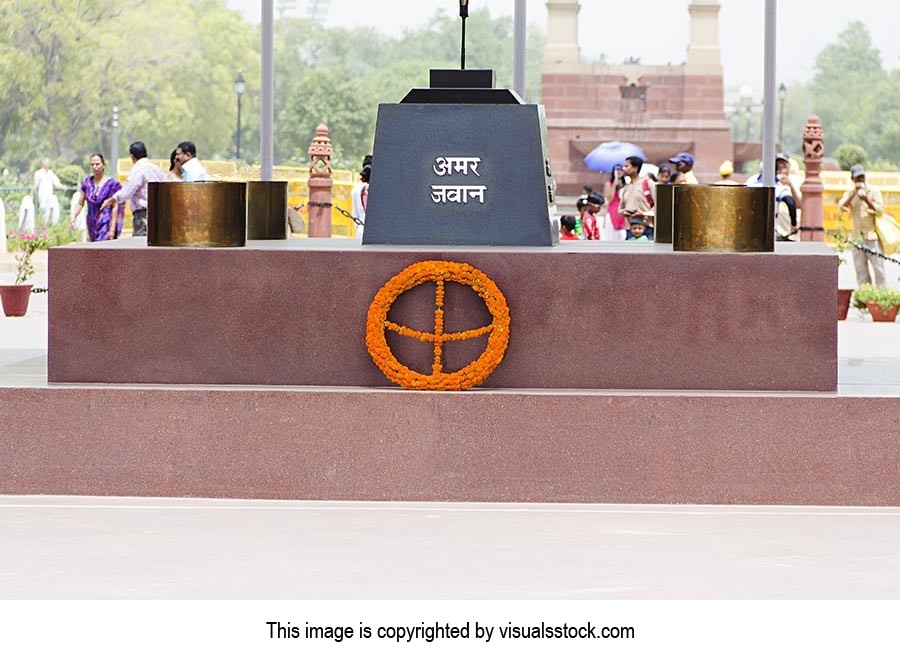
point(444, 363)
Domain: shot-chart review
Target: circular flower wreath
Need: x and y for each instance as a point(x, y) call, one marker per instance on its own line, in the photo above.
point(377, 325)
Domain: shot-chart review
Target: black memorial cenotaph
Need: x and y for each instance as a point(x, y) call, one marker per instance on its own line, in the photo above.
point(461, 163)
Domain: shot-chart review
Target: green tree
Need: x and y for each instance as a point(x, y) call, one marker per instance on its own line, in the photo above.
point(68, 62)
point(797, 109)
point(20, 79)
point(182, 58)
point(339, 76)
point(55, 45)
point(489, 45)
point(882, 127)
point(855, 97)
point(849, 155)
point(334, 97)
point(169, 66)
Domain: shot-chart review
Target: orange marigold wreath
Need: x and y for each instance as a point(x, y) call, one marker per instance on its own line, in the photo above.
point(439, 272)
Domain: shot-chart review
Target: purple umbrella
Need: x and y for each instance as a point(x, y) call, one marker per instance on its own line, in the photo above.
point(607, 156)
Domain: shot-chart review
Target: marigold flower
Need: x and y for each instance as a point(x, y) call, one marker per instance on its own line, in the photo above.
point(439, 272)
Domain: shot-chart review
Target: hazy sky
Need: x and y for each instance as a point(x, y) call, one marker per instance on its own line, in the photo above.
point(804, 27)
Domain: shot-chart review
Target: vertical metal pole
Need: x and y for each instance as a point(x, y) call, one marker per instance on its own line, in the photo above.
point(114, 147)
point(519, 33)
point(238, 150)
point(462, 46)
point(267, 93)
point(768, 129)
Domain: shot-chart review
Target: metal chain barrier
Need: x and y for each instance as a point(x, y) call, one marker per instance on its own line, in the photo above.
point(39, 290)
point(842, 241)
point(329, 204)
point(858, 246)
point(350, 216)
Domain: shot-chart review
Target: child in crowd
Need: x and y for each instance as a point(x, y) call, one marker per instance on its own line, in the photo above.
point(567, 228)
point(589, 224)
point(665, 175)
point(637, 228)
point(580, 205)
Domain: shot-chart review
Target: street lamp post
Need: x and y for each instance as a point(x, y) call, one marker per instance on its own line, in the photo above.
point(782, 93)
point(240, 86)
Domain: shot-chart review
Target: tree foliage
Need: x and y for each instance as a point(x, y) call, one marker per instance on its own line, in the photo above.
point(164, 63)
point(857, 100)
point(339, 76)
point(849, 155)
point(169, 66)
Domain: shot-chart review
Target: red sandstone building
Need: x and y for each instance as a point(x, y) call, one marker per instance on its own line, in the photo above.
point(664, 109)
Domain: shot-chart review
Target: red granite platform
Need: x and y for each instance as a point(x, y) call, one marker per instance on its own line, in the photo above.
point(393, 445)
point(591, 316)
point(583, 317)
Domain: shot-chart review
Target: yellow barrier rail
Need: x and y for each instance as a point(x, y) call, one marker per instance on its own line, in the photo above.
point(838, 182)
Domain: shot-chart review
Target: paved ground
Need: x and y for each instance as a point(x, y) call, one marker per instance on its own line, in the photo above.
point(93, 547)
point(86, 547)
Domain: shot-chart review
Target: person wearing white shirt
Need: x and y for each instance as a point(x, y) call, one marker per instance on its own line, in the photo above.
point(135, 189)
point(360, 197)
point(787, 198)
point(191, 168)
point(45, 181)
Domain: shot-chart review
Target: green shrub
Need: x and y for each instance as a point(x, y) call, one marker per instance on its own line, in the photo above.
point(61, 234)
point(882, 165)
point(849, 155)
point(70, 175)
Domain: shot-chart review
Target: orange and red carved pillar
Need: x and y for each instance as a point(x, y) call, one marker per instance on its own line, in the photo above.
point(320, 182)
point(811, 207)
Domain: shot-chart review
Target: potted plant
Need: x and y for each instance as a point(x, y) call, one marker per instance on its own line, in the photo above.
point(844, 296)
point(882, 302)
point(842, 243)
point(14, 298)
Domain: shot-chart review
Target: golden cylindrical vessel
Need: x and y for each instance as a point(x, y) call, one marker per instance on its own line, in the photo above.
point(724, 219)
point(665, 206)
point(197, 214)
point(267, 210)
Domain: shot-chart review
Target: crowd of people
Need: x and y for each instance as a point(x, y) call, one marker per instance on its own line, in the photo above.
point(630, 212)
point(98, 204)
point(626, 209)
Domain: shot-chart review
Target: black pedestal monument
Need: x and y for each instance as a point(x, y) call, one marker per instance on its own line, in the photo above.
point(461, 163)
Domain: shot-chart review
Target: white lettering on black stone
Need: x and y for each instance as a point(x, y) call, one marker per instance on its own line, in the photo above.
point(446, 165)
point(457, 194)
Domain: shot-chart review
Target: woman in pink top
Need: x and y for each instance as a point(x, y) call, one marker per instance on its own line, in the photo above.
point(619, 223)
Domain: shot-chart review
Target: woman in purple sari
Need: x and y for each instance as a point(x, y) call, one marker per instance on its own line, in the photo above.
point(94, 190)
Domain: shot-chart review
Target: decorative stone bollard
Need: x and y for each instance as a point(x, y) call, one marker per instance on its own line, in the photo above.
point(320, 153)
point(811, 206)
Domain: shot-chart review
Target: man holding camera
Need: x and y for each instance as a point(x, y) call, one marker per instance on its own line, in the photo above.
point(864, 204)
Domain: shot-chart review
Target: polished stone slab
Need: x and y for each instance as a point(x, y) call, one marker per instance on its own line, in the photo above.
point(596, 315)
point(484, 445)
